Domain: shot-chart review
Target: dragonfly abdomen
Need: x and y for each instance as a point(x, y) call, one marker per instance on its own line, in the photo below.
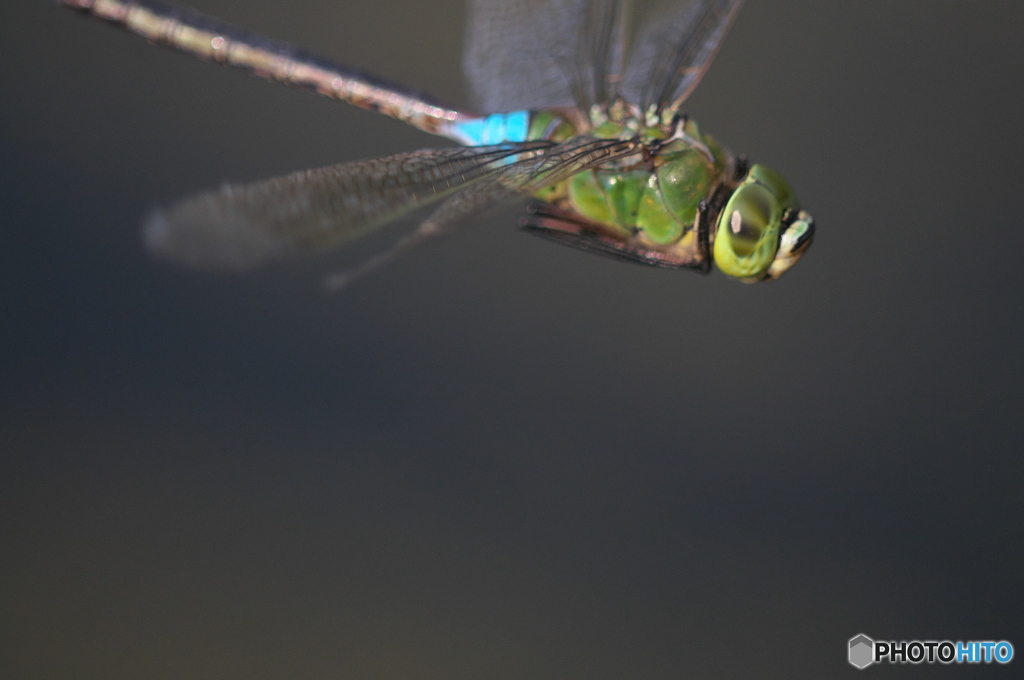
point(210, 39)
point(496, 128)
point(515, 126)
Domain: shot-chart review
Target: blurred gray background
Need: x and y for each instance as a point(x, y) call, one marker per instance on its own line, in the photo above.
point(500, 458)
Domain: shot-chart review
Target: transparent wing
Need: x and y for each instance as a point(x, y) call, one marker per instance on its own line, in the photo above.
point(674, 48)
point(513, 180)
point(519, 54)
point(529, 176)
point(243, 227)
point(537, 54)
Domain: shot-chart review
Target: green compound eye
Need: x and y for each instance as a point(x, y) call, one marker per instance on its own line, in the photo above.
point(748, 232)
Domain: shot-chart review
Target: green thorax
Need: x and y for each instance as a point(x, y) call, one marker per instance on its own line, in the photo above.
point(652, 196)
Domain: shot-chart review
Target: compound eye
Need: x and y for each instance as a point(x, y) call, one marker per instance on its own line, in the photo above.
point(751, 215)
point(775, 183)
point(748, 232)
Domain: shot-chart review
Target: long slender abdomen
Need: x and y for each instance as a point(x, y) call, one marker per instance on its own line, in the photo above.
point(210, 39)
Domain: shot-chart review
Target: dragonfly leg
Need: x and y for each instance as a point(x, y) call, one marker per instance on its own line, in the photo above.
point(704, 237)
point(569, 228)
point(542, 215)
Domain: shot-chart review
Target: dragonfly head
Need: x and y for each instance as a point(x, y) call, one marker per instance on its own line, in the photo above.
point(762, 231)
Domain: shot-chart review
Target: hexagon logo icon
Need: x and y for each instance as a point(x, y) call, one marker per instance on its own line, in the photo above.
point(862, 651)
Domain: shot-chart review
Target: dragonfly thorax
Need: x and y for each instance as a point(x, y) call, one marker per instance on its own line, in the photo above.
point(622, 119)
point(652, 197)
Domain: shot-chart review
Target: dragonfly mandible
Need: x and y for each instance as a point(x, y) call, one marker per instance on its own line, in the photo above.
point(581, 106)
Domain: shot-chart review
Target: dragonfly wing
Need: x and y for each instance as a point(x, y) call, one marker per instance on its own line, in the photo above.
point(244, 227)
point(528, 177)
point(601, 52)
point(674, 48)
point(541, 54)
point(513, 180)
point(519, 53)
point(538, 54)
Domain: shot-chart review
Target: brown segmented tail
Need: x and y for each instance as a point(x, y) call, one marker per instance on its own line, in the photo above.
point(209, 39)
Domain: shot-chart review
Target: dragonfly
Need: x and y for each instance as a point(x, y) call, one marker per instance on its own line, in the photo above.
point(579, 108)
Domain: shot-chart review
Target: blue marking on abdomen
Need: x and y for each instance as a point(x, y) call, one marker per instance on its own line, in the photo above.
point(496, 128)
